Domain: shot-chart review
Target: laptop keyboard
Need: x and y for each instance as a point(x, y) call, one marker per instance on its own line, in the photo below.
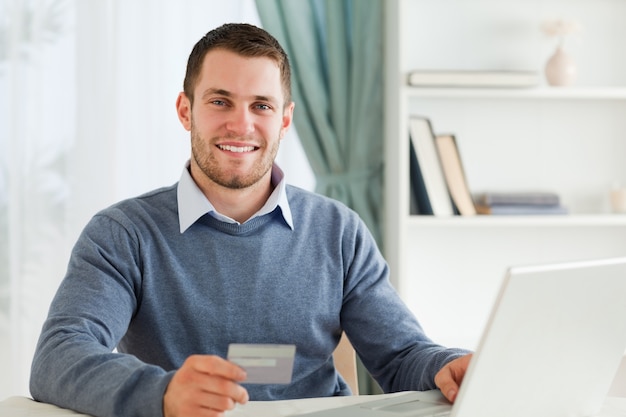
point(409, 407)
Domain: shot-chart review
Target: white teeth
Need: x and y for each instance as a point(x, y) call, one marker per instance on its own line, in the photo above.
point(236, 148)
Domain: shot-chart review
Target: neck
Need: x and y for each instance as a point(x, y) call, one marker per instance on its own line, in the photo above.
point(238, 204)
point(241, 204)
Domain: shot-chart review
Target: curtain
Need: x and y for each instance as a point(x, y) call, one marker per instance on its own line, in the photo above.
point(335, 49)
point(336, 52)
point(87, 117)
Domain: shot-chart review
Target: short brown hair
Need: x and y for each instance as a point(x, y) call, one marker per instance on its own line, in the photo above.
point(244, 39)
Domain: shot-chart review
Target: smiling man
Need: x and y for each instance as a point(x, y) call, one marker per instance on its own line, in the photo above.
point(230, 255)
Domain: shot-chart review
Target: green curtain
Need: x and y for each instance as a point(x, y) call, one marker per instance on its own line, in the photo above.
point(335, 49)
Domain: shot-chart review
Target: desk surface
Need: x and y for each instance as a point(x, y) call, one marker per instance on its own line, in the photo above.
point(26, 407)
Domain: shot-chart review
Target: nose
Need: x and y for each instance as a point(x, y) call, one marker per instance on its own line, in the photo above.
point(240, 122)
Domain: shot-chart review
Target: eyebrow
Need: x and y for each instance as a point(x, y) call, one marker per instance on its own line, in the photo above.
point(227, 93)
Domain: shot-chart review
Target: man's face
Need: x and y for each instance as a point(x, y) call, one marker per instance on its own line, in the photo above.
point(237, 120)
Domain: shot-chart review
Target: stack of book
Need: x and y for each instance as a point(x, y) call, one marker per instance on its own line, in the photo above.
point(439, 185)
point(438, 182)
point(518, 203)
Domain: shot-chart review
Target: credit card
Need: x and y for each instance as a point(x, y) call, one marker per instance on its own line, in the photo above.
point(264, 363)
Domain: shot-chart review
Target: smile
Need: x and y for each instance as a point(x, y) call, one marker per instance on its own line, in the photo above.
point(239, 149)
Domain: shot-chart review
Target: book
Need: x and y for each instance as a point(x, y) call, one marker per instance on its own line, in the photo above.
point(542, 198)
point(427, 180)
point(454, 174)
point(473, 78)
point(419, 202)
point(520, 209)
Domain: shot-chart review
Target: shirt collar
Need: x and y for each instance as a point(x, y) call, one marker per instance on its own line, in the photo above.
point(193, 204)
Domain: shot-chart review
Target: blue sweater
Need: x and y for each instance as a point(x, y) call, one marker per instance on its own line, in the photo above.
point(137, 283)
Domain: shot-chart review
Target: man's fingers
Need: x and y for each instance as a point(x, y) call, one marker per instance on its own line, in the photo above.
point(218, 402)
point(204, 386)
point(449, 378)
point(214, 365)
point(219, 376)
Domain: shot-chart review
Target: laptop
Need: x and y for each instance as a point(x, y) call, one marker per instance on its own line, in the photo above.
point(551, 347)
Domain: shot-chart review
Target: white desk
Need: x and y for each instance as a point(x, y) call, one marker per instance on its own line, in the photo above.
point(25, 407)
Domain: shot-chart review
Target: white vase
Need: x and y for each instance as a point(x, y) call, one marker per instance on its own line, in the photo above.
point(560, 68)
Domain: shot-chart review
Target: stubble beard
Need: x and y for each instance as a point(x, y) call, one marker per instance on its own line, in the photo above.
point(202, 151)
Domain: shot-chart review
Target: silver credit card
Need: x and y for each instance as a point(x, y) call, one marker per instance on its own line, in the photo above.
point(264, 363)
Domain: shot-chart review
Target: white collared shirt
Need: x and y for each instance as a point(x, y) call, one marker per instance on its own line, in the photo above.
point(193, 204)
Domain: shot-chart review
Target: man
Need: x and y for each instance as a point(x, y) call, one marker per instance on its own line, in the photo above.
point(229, 254)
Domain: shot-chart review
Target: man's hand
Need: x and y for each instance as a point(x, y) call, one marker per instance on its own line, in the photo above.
point(204, 386)
point(449, 378)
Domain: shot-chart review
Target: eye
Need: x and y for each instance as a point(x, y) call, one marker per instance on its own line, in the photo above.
point(263, 106)
point(218, 102)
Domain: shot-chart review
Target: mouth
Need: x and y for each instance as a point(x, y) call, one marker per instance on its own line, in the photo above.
point(238, 149)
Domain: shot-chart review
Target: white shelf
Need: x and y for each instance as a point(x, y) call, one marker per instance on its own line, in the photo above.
point(558, 93)
point(573, 220)
point(568, 139)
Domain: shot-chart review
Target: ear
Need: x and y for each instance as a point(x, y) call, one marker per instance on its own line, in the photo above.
point(287, 119)
point(183, 109)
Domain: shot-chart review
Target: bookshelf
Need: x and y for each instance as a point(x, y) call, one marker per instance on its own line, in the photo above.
point(569, 93)
point(570, 140)
point(580, 220)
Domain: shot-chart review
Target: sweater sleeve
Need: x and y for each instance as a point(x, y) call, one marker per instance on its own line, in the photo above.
point(385, 333)
point(75, 365)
